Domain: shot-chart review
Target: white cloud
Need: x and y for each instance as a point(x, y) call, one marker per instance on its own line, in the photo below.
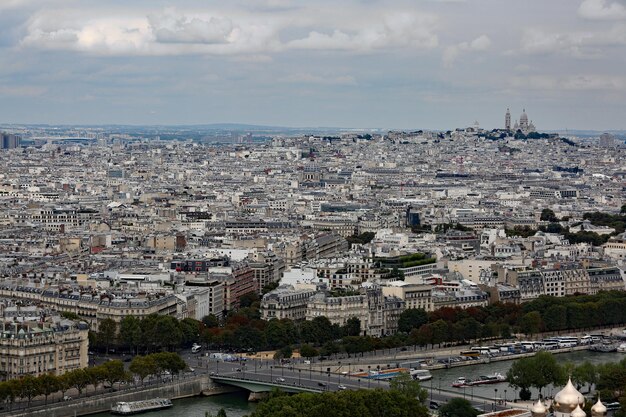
point(411, 30)
point(451, 53)
point(229, 32)
point(577, 44)
point(168, 28)
point(602, 10)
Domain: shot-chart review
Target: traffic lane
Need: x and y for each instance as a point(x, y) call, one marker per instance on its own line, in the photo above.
point(290, 377)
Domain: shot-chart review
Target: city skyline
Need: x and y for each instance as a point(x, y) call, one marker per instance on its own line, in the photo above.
point(371, 64)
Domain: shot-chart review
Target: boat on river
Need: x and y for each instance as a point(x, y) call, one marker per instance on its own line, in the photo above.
point(420, 374)
point(481, 380)
point(124, 408)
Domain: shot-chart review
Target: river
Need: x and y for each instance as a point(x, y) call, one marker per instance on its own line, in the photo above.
point(237, 405)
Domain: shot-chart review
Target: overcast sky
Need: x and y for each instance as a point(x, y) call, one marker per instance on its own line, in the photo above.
point(434, 64)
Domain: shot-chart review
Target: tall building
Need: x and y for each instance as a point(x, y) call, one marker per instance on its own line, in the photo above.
point(9, 141)
point(607, 140)
point(507, 120)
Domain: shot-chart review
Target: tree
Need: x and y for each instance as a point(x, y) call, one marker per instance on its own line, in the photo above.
point(547, 215)
point(555, 317)
point(130, 332)
point(211, 320)
point(352, 327)
point(623, 210)
point(537, 371)
point(458, 407)
point(107, 329)
point(94, 376)
point(29, 387)
point(70, 315)
point(308, 351)
point(440, 332)
point(271, 286)
point(408, 386)
point(190, 329)
point(531, 323)
point(48, 384)
point(249, 299)
point(113, 372)
point(585, 373)
point(143, 366)
point(285, 353)
point(79, 379)
point(362, 403)
point(169, 361)
point(412, 318)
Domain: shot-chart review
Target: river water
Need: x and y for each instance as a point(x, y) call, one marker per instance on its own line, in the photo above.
point(237, 405)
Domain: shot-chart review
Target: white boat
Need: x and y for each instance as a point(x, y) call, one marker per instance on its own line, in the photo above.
point(622, 348)
point(421, 374)
point(461, 382)
point(135, 407)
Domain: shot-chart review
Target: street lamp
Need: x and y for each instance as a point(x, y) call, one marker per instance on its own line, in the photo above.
point(271, 376)
point(495, 398)
point(369, 376)
point(504, 397)
point(299, 370)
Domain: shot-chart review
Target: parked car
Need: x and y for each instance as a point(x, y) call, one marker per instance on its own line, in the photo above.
point(434, 405)
point(280, 379)
point(341, 387)
point(321, 384)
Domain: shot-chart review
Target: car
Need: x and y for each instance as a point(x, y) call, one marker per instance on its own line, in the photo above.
point(434, 405)
point(403, 349)
point(307, 362)
point(280, 379)
point(321, 384)
point(612, 406)
point(67, 398)
point(238, 369)
point(323, 358)
point(341, 387)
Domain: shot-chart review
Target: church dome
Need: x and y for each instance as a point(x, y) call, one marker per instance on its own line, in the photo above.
point(524, 117)
point(578, 412)
point(598, 409)
point(568, 399)
point(539, 410)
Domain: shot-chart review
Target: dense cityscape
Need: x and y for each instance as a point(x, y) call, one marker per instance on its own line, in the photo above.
point(281, 208)
point(307, 245)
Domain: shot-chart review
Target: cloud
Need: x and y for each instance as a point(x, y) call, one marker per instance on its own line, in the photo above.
point(602, 10)
point(451, 53)
point(170, 29)
point(410, 30)
point(577, 44)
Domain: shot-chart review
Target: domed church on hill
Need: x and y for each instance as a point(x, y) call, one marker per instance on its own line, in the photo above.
point(524, 125)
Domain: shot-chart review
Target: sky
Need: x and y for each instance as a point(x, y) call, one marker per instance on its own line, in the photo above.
point(402, 64)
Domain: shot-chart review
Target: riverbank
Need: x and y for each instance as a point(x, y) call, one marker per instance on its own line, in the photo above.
point(180, 388)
